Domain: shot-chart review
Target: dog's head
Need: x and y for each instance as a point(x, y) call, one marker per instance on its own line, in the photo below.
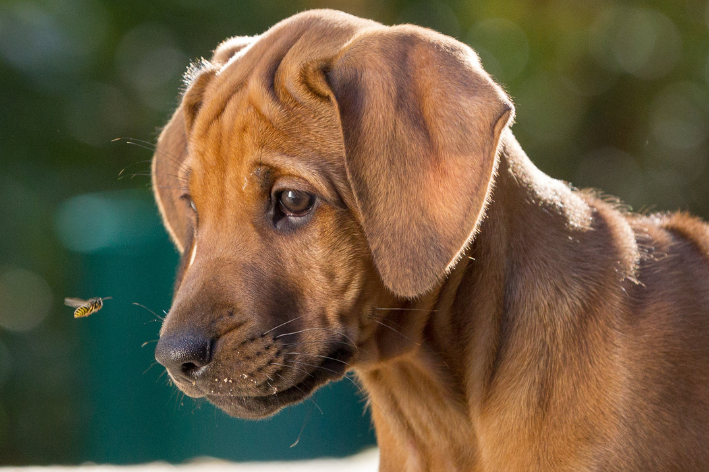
point(311, 175)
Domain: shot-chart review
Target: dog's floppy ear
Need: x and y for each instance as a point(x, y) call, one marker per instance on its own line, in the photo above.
point(171, 149)
point(421, 123)
point(169, 159)
point(169, 156)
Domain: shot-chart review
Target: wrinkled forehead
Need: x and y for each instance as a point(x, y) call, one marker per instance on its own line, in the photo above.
point(268, 92)
point(256, 114)
point(228, 129)
point(271, 98)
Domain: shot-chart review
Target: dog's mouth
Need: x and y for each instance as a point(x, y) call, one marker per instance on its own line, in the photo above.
point(329, 367)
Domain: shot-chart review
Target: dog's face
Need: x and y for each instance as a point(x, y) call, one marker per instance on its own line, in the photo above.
point(313, 175)
point(276, 273)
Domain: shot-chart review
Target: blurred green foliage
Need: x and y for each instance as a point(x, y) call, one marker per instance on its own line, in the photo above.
point(609, 94)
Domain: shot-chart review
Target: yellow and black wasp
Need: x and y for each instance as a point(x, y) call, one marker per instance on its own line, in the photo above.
point(85, 307)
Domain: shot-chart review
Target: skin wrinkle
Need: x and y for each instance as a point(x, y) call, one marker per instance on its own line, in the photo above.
point(496, 318)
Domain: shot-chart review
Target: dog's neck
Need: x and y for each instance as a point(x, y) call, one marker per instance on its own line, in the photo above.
point(457, 351)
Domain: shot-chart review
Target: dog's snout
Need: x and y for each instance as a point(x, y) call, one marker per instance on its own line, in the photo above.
point(184, 354)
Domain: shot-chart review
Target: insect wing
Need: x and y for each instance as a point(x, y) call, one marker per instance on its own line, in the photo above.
point(75, 302)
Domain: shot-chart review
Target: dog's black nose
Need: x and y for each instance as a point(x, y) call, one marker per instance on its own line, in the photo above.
point(184, 354)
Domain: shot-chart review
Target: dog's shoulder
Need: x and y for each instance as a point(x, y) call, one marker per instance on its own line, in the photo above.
point(688, 229)
point(673, 270)
point(679, 235)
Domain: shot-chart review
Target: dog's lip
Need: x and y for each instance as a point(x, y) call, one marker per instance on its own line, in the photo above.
point(331, 367)
point(191, 389)
point(264, 404)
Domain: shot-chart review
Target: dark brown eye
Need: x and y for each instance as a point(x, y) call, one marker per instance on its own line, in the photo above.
point(295, 202)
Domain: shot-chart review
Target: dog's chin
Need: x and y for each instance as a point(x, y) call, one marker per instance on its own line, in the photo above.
point(254, 407)
point(260, 407)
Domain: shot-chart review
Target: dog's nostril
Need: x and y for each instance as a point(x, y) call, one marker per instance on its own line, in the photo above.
point(184, 355)
point(189, 368)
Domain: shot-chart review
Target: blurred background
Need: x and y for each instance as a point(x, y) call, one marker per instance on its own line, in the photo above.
point(609, 94)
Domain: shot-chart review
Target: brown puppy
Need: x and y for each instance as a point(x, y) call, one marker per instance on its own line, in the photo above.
point(349, 195)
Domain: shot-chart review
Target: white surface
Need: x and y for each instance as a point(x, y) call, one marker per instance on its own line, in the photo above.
point(367, 461)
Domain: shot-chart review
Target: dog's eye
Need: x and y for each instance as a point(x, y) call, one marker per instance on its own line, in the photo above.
point(186, 197)
point(295, 202)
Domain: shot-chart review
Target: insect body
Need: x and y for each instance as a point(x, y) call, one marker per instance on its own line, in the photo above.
point(85, 307)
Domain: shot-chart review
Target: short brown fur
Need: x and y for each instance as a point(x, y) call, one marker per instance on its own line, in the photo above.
point(497, 319)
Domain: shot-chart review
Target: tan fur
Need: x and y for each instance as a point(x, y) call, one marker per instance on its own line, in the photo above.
point(497, 319)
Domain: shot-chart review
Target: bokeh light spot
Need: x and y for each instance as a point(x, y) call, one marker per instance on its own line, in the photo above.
point(52, 42)
point(25, 299)
point(148, 60)
point(30, 37)
point(638, 41)
point(681, 116)
point(93, 222)
point(547, 109)
point(502, 46)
